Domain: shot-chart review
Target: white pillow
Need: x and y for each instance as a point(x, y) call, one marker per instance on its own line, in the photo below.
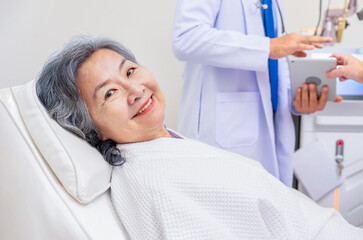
point(78, 166)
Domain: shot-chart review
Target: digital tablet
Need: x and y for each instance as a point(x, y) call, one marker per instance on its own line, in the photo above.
point(312, 70)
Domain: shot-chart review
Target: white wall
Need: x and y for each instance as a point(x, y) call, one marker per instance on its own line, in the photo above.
point(304, 13)
point(31, 30)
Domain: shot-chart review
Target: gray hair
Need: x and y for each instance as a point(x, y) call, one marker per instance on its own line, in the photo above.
point(57, 90)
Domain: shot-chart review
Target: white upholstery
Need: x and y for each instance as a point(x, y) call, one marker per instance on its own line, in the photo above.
point(34, 202)
point(80, 168)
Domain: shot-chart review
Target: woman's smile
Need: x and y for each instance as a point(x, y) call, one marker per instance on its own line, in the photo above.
point(146, 107)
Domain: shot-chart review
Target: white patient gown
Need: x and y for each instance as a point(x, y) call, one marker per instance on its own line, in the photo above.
point(183, 189)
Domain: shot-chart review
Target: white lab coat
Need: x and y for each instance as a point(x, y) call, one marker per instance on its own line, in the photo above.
point(226, 99)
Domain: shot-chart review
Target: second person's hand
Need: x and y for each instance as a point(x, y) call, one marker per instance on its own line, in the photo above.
point(352, 68)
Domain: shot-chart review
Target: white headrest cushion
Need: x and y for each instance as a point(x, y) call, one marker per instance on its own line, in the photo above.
point(78, 166)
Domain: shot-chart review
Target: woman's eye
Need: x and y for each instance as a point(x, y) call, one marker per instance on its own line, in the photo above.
point(130, 71)
point(109, 93)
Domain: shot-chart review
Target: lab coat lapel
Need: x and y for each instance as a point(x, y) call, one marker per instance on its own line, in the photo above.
point(253, 18)
point(254, 26)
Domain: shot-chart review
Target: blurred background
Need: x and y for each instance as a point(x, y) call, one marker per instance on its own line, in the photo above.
point(32, 30)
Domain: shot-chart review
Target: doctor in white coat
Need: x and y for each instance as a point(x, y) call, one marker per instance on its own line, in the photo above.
point(226, 99)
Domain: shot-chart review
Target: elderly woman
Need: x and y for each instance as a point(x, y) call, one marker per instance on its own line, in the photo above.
point(165, 186)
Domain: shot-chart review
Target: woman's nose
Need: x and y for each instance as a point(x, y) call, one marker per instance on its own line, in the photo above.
point(135, 92)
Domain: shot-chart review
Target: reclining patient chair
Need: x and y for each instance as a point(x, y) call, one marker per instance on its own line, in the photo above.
point(53, 185)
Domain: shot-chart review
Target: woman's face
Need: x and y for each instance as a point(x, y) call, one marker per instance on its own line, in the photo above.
point(123, 99)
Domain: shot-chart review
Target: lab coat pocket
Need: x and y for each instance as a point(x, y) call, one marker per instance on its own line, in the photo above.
point(237, 118)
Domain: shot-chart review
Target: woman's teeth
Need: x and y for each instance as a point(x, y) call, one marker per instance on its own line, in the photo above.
point(145, 107)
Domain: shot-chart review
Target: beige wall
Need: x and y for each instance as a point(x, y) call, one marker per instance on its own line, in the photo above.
point(30, 30)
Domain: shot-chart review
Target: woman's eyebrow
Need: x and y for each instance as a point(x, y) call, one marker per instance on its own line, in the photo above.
point(122, 63)
point(101, 85)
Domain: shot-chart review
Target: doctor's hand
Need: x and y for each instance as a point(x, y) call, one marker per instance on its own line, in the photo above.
point(306, 99)
point(295, 44)
point(352, 68)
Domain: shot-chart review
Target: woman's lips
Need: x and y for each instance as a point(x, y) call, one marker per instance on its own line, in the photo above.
point(146, 107)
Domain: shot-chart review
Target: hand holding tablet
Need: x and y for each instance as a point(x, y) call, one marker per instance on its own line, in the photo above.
point(309, 86)
point(313, 70)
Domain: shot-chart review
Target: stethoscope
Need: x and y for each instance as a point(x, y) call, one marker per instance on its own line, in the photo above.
point(265, 6)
